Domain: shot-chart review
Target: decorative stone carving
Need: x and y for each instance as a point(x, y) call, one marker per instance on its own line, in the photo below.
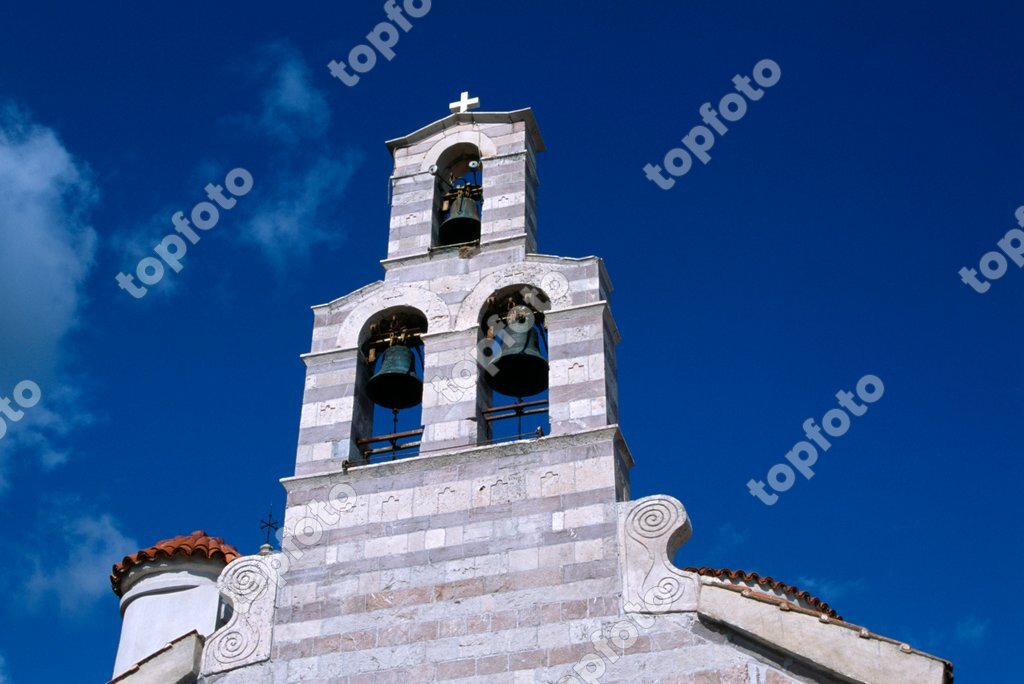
point(452, 137)
point(507, 489)
point(651, 530)
point(423, 300)
point(250, 585)
point(546, 276)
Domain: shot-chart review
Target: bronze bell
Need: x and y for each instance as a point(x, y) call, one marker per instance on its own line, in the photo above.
point(396, 385)
point(522, 370)
point(463, 222)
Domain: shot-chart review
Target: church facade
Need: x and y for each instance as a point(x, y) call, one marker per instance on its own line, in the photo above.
point(454, 551)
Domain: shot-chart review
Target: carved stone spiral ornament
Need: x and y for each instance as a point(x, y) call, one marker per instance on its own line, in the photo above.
point(667, 591)
point(248, 581)
point(651, 530)
point(653, 519)
point(234, 645)
point(250, 585)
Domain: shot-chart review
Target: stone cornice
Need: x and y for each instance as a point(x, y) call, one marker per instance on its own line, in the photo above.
point(524, 115)
point(457, 455)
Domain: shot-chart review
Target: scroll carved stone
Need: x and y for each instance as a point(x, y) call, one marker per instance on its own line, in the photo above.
point(651, 530)
point(250, 585)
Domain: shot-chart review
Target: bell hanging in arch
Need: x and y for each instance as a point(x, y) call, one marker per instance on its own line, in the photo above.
point(396, 385)
point(522, 370)
point(463, 222)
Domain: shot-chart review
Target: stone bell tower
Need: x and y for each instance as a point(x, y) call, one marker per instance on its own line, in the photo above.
point(446, 551)
point(443, 292)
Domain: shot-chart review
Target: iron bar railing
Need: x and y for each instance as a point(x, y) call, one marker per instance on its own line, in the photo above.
point(394, 444)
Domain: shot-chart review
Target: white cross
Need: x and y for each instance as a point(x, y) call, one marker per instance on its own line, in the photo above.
point(464, 104)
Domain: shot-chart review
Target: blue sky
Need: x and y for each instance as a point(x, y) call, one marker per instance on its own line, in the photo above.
point(822, 242)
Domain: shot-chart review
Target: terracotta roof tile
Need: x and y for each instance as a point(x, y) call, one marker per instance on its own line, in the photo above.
point(753, 577)
point(196, 544)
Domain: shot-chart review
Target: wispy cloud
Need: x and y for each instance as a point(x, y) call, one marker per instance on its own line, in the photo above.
point(136, 242)
point(829, 589)
point(48, 251)
point(290, 218)
point(4, 678)
point(291, 108)
point(297, 202)
point(77, 578)
point(968, 631)
point(972, 630)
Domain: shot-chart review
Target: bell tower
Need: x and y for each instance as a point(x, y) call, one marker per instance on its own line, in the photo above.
point(470, 327)
point(500, 495)
point(460, 509)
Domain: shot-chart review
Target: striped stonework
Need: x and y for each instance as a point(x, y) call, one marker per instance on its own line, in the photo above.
point(521, 562)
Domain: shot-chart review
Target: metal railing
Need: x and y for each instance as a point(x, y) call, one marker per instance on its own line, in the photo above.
point(523, 408)
point(395, 446)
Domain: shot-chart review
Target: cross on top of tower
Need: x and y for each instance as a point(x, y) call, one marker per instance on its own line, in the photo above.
point(270, 525)
point(464, 104)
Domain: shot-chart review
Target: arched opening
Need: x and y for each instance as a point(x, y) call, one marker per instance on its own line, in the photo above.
point(514, 364)
point(458, 196)
point(389, 386)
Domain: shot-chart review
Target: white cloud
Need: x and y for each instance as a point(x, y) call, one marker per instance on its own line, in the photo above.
point(133, 244)
point(4, 678)
point(972, 630)
point(78, 576)
point(48, 250)
point(48, 246)
point(289, 219)
point(291, 108)
point(296, 205)
point(296, 201)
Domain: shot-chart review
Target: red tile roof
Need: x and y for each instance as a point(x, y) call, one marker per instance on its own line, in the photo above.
point(196, 544)
point(754, 578)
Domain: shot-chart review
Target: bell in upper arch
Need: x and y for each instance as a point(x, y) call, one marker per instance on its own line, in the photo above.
point(395, 385)
point(463, 222)
point(521, 369)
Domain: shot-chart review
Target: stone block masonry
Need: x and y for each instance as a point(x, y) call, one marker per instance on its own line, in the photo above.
point(522, 562)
